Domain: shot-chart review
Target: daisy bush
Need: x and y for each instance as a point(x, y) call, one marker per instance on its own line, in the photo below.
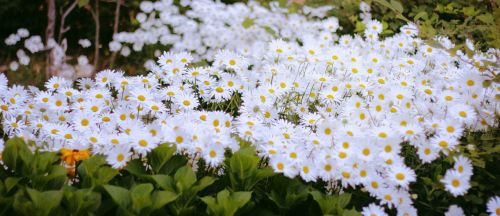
point(356, 114)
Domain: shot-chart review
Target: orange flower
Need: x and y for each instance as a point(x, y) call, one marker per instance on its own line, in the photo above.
point(70, 157)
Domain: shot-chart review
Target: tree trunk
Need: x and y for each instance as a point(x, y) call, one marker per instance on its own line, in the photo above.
point(49, 33)
point(115, 29)
point(97, 33)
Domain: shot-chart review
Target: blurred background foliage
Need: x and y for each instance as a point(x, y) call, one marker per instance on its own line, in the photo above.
point(478, 20)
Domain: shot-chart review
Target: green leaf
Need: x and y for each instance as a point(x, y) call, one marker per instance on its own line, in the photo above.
point(141, 196)
point(397, 6)
point(469, 11)
point(360, 26)
point(270, 31)
point(421, 14)
point(326, 203)
point(351, 212)
point(88, 170)
point(45, 201)
point(105, 174)
point(161, 198)
point(164, 181)
point(486, 18)
point(13, 152)
point(82, 3)
point(287, 193)
point(160, 156)
point(10, 183)
point(243, 171)
point(82, 201)
point(226, 203)
point(343, 200)
point(385, 4)
point(184, 178)
point(120, 196)
point(176, 162)
point(136, 168)
point(247, 23)
point(401, 17)
point(203, 183)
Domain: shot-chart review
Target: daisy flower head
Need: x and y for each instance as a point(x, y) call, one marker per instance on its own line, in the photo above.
point(463, 165)
point(105, 77)
point(402, 175)
point(428, 153)
point(278, 47)
point(231, 60)
point(493, 206)
point(373, 210)
point(455, 183)
point(463, 113)
point(166, 58)
point(184, 57)
point(187, 101)
point(213, 154)
point(454, 210)
point(282, 165)
point(143, 143)
point(56, 83)
point(374, 26)
point(118, 156)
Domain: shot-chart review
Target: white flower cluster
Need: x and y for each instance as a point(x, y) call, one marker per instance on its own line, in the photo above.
point(336, 110)
point(199, 27)
point(34, 44)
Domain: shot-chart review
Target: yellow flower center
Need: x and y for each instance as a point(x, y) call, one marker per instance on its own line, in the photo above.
point(143, 143)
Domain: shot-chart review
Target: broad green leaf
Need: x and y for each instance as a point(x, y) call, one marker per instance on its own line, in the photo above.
point(397, 6)
point(164, 181)
point(161, 198)
point(421, 14)
point(82, 201)
point(326, 203)
point(120, 196)
point(136, 167)
point(45, 201)
point(184, 178)
point(203, 183)
point(11, 182)
point(12, 153)
point(105, 174)
point(226, 203)
point(87, 170)
point(89, 166)
point(141, 196)
point(351, 212)
point(385, 4)
point(176, 162)
point(343, 200)
point(286, 193)
point(159, 156)
point(243, 170)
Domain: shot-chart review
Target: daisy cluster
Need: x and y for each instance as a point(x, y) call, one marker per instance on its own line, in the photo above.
point(199, 26)
point(33, 44)
point(325, 108)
